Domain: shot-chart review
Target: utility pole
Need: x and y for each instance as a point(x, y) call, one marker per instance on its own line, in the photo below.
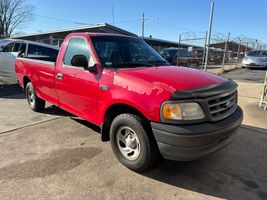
point(180, 37)
point(204, 51)
point(209, 34)
point(225, 51)
point(113, 21)
point(238, 52)
point(143, 25)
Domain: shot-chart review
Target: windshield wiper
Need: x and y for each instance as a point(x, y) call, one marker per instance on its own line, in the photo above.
point(159, 62)
point(136, 64)
point(130, 64)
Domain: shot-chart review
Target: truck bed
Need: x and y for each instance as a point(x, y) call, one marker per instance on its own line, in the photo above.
point(38, 60)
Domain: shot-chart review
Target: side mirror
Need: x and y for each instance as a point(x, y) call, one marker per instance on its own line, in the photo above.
point(1, 49)
point(82, 61)
point(79, 61)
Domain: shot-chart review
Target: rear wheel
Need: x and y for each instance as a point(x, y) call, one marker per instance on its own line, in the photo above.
point(34, 101)
point(133, 143)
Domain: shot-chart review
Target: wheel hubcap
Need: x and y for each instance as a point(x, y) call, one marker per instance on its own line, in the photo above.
point(128, 143)
point(31, 97)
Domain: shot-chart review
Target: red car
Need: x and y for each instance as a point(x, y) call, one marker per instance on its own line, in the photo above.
point(144, 106)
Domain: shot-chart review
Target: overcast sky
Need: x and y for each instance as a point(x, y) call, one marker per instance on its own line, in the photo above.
point(164, 19)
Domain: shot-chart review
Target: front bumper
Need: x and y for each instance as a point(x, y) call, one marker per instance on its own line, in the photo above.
point(254, 64)
point(191, 142)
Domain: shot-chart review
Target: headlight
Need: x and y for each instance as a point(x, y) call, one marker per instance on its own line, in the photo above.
point(182, 111)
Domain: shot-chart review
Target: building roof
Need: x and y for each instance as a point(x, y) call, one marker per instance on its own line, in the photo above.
point(47, 37)
point(175, 44)
point(85, 28)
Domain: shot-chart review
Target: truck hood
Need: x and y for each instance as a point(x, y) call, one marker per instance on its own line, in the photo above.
point(164, 78)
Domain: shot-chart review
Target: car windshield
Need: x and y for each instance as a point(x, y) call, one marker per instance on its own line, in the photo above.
point(125, 52)
point(258, 53)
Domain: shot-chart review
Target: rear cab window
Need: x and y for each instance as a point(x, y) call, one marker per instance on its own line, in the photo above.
point(42, 53)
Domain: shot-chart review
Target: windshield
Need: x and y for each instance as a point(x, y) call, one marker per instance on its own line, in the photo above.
point(124, 52)
point(258, 53)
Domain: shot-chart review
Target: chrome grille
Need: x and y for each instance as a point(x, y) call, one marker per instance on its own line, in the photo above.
point(222, 106)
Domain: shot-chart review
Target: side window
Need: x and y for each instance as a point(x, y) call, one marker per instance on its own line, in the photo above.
point(22, 50)
point(16, 47)
point(76, 46)
point(9, 47)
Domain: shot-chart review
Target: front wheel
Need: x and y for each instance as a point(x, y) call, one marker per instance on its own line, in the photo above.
point(132, 142)
point(34, 101)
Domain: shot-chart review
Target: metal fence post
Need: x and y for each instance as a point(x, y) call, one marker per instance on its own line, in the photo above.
point(209, 35)
point(180, 37)
point(246, 49)
point(204, 51)
point(225, 51)
point(263, 100)
point(238, 52)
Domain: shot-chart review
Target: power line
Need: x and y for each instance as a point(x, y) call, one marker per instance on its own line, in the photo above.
point(177, 27)
point(128, 21)
point(62, 20)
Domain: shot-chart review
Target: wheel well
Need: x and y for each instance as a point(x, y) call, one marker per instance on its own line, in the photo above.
point(112, 112)
point(25, 81)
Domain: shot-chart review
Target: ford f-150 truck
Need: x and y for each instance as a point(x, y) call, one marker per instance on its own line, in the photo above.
point(144, 106)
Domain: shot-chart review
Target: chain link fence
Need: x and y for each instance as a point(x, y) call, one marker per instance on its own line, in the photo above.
point(225, 51)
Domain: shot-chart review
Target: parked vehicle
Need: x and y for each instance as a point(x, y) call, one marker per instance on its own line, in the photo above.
point(143, 105)
point(11, 49)
point(180, 56)
point(168, 54)
point(255, 59)
point(215, 55)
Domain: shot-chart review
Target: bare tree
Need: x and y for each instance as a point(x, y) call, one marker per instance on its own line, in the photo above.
point(13, 15)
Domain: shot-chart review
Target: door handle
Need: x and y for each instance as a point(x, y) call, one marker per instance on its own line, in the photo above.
point(59, 76)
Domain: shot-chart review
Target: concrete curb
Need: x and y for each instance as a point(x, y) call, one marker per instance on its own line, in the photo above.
point(226, 70)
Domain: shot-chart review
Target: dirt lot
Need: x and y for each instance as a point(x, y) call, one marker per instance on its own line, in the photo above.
point(54, 155)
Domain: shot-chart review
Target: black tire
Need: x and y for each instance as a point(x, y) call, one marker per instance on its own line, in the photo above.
point(148, 149)
point(33, 100)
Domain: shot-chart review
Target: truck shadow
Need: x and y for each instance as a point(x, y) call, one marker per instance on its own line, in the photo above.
point(11, 91)
point(87, 124)
point(54, 110)
point(237, 171)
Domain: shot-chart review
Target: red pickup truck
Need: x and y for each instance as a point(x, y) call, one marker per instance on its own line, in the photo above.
point(144, 106)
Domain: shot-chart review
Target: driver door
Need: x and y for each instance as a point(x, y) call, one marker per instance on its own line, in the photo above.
point(76, 87)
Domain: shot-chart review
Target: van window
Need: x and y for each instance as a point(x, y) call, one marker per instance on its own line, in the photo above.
point(42, 53)
point(16, 47)
point(22, 50)
point(9, 47)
